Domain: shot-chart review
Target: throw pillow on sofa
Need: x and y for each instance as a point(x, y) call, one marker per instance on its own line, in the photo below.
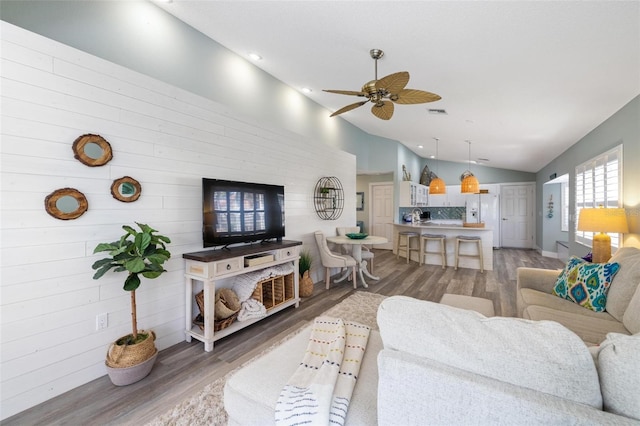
point(586, 283)
point(619, 372)
point(625, 282)
point(562, 286)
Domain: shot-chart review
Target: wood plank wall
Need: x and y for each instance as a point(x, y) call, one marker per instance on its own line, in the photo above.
point(164, 137)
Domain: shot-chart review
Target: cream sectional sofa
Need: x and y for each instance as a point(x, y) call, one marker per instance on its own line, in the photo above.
point(436, 364)
point(622, 312)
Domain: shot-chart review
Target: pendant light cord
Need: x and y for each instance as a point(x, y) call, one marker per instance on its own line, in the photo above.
point(437, 157)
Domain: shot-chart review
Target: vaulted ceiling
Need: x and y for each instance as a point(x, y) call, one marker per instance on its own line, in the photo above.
point(522, 80)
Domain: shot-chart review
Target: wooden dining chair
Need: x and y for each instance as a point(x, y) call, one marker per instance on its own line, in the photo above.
point(334, 260)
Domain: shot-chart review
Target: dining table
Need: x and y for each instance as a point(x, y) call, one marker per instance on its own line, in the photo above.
point(356, 253)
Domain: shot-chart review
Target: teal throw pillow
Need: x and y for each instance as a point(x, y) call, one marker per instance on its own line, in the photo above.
point(561, 287)
point(587, 284)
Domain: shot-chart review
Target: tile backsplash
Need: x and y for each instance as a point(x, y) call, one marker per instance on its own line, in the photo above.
point(447, 212)
point(458, 213)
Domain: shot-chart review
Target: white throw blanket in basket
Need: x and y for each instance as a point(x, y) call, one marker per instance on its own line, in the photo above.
point(320, 390)
point(245, 284)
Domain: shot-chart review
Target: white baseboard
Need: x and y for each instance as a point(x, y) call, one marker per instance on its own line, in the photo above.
point(551, 254)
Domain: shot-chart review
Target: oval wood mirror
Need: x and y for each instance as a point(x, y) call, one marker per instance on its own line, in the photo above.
point(92, 150)
point(126, 189)
point(66, 204)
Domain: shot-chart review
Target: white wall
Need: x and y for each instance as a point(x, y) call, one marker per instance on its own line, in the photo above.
point(166, 138)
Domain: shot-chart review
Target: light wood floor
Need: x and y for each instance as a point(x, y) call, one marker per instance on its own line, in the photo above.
point(183, 369)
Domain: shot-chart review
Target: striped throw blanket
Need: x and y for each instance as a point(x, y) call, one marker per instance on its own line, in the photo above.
point(319, 391)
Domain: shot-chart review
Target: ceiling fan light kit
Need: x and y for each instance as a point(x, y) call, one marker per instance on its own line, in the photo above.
point(385, 92)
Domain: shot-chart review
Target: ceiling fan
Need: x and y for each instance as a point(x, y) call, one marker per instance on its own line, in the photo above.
point(385, 92)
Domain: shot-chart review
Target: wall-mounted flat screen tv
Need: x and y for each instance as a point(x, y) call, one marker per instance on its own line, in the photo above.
point(241, 212)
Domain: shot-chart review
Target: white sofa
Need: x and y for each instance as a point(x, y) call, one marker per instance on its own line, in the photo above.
point(436, 364)
point(622, 309)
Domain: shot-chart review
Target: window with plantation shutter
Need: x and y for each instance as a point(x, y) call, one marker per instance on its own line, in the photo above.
point(599, 183)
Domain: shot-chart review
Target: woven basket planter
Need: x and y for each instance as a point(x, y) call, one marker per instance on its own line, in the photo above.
point(306, 285)
point(127, 364)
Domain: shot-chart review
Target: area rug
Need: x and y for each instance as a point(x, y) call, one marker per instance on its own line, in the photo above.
point(207, 407)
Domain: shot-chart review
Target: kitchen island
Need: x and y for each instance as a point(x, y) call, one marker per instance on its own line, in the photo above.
point(451, 231)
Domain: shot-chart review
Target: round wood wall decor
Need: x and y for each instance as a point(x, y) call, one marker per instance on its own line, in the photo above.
point(126, 189)
point(66, 204)
point(92, 150)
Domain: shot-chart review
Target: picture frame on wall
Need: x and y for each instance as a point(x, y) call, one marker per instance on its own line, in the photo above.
point(359, 201)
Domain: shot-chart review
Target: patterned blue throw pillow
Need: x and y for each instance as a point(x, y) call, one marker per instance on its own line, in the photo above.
point(561, 287)
point(586, 284)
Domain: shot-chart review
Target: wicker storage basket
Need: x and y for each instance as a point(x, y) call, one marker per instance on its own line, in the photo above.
point(225, 311)
point(217, 325)
point(227, 304)
point(222, 324)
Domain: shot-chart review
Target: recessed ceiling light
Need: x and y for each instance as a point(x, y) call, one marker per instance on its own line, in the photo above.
point(306, 90)
point(420, 146)
point(254, 56)
point(432, 156)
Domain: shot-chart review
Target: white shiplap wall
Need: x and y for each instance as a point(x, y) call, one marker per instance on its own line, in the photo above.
point(164, 137)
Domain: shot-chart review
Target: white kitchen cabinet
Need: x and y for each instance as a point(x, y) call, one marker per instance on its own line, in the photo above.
point(413, 194)
point(453, 198)
point(438, 200)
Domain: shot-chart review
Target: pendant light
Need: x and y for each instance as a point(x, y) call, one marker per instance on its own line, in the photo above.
point(470, 183)
point(437, 185)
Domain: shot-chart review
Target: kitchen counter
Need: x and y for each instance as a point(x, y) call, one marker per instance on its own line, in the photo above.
point(437, 225)
point(451, 230)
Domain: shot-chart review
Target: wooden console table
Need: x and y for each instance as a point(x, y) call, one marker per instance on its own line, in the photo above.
point(220, 266)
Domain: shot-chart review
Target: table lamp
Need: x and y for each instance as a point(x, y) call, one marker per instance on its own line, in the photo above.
point(602, 220)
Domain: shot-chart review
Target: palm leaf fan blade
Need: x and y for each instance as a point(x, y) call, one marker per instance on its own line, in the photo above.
point(345, 92)
point(414, 96)
point(393, 83)
point(348, 108)
point(383, 110)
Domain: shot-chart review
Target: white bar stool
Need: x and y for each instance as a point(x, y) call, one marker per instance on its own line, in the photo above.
point(406, 247)
point(424, 241)
point(469, 239)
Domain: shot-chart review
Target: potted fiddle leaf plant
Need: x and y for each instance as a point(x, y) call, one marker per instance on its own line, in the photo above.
point(137, 253)
point(304, 267)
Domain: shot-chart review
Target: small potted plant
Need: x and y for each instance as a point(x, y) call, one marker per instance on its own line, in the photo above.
point(304, 266)
point(131, 357)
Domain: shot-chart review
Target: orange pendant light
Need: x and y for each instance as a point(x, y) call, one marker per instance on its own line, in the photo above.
point(470, 184)
point(437, 185)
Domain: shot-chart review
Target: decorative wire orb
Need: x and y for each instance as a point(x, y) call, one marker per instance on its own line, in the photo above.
point(328, 198)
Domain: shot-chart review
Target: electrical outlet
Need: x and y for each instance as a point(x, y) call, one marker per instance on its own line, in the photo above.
point(102, 321)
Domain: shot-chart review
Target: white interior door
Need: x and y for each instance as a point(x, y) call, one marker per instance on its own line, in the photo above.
point(517, 212)
point(381, 212)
